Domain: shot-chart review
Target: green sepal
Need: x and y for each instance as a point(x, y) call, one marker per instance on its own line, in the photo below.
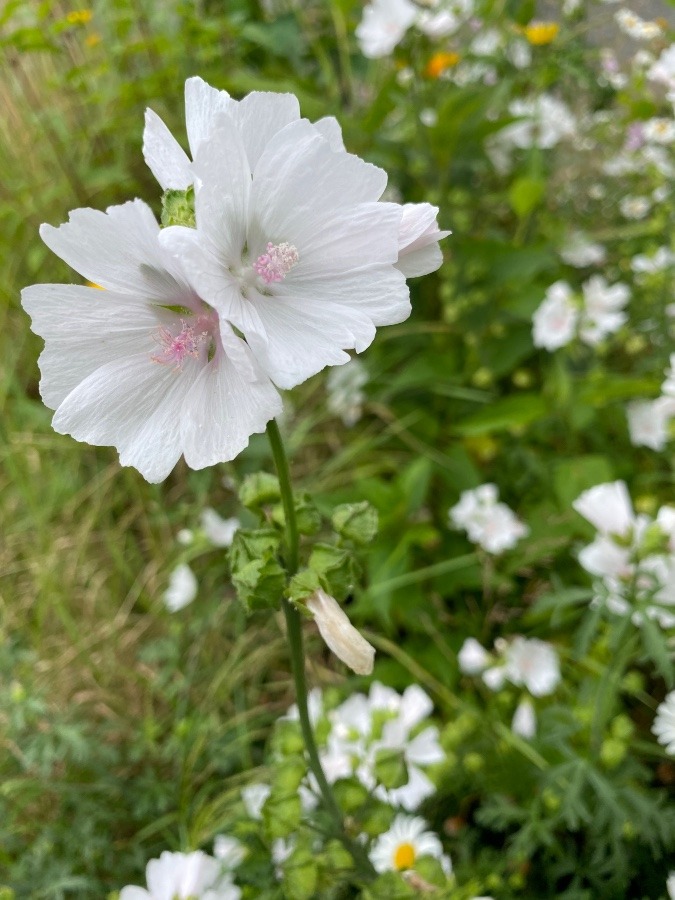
point(357, 522)
point(302, 585)
point(178, 208)
point(351, 795)
point(336, 569)
point(307, 516)
point(251, 544)
point(259, 489)
point(390, 768)
point(300, 874)
point(281, 815)
point(260, 584)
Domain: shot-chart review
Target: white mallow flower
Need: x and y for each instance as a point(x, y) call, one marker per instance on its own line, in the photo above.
point(649, 422)
point(555, 320)
point(384, 25)
point(524, 722)
point(602, 312)
point(297, 254)
point(339, 633)
point(145, 365)
point(398, 849)
point(668, 386)
point(533, 664)
point(473, 658)
point(670, 885)
point(664, 723)
point(418, 239)
point(488, 523)
point(182, 588)
point(228, 851)
point(608, 508)
point(183, 876)
point(218, 530)
point(579, 251)
point(344, 386)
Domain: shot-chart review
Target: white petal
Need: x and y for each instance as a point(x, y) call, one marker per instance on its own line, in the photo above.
point(608, 507)
point(227, 404)
point(259, 116)
point(422, 261)
point(84, 328)
point(164, 156)
point(222, 195)
point(340, 635)
point(299, 177)
point(182, 588)
point(134, 893)
point(329, 127)
point(203, 106)
point(524, 720)
point(134, 405)
point(119, 250)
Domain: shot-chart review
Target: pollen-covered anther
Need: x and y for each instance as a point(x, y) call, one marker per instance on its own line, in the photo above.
point(177, 346)
point(277, 262)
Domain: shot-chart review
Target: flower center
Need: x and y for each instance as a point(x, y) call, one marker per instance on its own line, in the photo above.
point(276, 262)
point(176, 347)
point(404, 857)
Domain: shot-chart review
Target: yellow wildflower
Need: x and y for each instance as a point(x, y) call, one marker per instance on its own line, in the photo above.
point(441, 62)
point(540, 33)
point(79, 16)
point(93, 39)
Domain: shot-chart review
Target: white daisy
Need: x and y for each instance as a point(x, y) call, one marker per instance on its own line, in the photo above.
point(398, 849)
point(183, 876)
point(664, 723)
point(144, 365)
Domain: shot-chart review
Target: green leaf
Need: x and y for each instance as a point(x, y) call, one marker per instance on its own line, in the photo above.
point(260, 584)
point(525, 195)
point(509, 412)
point(578, 473)
point(356, 522)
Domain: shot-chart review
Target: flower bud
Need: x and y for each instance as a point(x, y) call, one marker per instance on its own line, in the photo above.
point(339, 633)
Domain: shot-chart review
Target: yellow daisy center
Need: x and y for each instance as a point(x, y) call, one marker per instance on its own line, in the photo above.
point(404, 857)
point(440, 62)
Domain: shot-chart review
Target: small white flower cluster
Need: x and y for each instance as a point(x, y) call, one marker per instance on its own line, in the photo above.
point(649, 420)
point(560, 317)
point(544, 121)
point(664, 723)
point(287, 261)
point(579, 251)
point(632, 555)
point(385, 22)
point(639, 29)
point(490, 524)
point(191, 876)
point(523, 662)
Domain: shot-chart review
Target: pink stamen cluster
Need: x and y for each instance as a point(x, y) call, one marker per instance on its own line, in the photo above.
point(178, 346)
point(276, 263)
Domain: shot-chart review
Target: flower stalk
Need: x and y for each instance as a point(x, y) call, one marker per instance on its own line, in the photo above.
point(294, 632)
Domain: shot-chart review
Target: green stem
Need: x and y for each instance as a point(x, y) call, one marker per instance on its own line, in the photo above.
point(294, 631)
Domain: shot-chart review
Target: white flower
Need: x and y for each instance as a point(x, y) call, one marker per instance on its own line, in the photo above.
point(547, 121)
point(293, 250)
point(663, 259)
point(524, 721)
point(668, 386)
point(580, 251)
point(488, 523)
point(182, 588)
point(663, 69)
point(183, 876)
point(398, 849)
point(445, 21)
point(664, 723)
point(635, 27)
point(345, 395)
point(339, 633)
point(228, 851)
point(602, 314)
point(121, 367)
point(670, 885)
point(384, 25)
point(659, 130)
point(533, 664)
point(487, 42)
point(254, 797)
point(281, 850)
point(418, 239)
point(218, 530)
point(472, 658)
point(429, 117)
point(649, 421)
point(607, 507)
point(555, 319)
point(634, 207)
